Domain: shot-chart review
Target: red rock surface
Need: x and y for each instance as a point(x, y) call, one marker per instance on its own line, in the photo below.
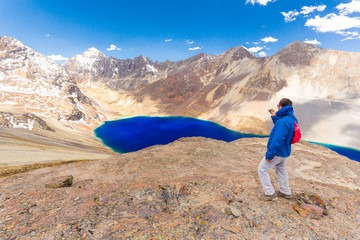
point(177, 191)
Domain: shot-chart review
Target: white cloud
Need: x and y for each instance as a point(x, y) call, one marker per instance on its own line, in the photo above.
point(247, 43)
point(261, 2)
point(305, 10)
point(332, 23)
point(290, 15)
point(57, 57)
point(195, 48)
point(48, 35)
point(269, 39)
point(168, 40)
point(189, 42)
point(349, 35)
point(262, 54)
point(255, 49)
point(315, 42)
point(310, 9)
point(348, 8)
point(256, 43)
point(113, 47)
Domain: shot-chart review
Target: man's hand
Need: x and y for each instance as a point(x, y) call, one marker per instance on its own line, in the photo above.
point(268, 160)
point(272, 112)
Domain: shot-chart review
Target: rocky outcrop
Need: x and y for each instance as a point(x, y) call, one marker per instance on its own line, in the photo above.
point(76, 115)
point(310, 205)
point(33, 83)
point(26, 121)
point(299, 54)
point(192, 188)
point(93, 66)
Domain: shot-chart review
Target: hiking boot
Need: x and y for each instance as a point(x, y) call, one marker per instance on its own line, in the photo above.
point(265, 197)
point(283, 195)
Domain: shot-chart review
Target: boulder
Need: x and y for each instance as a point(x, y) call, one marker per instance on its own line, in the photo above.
point(310, 205)
point(60, 182)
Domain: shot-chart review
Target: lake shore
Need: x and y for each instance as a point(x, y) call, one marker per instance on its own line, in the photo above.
point(146, 131)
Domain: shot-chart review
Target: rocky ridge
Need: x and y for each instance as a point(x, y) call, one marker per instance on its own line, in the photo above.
point(32, 83)
point(193, 188)
point(234, 88)
point(25, 121)
point(94, 66)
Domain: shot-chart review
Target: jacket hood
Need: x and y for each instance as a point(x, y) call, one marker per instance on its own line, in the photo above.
point(285, 110)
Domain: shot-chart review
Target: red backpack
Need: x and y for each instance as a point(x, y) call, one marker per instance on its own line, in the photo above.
point(297, 132)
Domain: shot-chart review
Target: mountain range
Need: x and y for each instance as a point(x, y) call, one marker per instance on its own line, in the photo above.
point(195, 187)
point(234, 88)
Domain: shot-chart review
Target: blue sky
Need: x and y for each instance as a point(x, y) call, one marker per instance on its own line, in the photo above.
point(175, 30)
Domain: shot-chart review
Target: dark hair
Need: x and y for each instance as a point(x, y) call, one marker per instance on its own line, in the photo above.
point(285, 102)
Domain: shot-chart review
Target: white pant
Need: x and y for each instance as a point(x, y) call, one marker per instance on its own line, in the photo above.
point(280, 168)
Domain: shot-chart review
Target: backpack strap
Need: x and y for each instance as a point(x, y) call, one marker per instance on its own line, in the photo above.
point(288, 115)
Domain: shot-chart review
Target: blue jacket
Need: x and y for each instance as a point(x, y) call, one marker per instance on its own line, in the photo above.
point(279, 143)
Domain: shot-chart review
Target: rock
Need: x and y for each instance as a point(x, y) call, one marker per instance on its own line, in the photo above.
point(184, 191)
point(252, 207)
point(350, 207)
point(247, 215)
point(77, 198)
point(228, 198)
point(253, 223)
point(235, 212)
point(309, 204)
point(215, 216)
point(139, 194)
point(76, 115)
point(32, 233)
point(309, 210)
point(60, 182)
point(232, 229)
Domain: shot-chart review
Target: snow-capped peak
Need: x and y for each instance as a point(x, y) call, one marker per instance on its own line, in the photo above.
point(12, 42)
point(143, 57)
point(87, 58)
point(93, 52)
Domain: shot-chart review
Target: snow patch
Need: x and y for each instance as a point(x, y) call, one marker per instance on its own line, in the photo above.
point(9, 102)
point(151, 68)
point(2, 76)
point(81, 121)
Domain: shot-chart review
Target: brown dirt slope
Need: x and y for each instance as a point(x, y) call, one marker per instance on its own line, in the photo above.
point(23, 147)
point(193, 188)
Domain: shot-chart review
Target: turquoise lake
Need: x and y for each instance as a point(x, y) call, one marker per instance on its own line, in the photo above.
point(135, 133)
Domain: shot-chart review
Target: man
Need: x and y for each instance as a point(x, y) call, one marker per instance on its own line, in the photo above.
point(278, 150)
